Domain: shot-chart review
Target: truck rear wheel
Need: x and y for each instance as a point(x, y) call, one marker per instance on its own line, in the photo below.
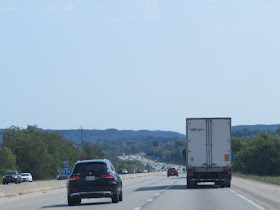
point(191, 185)
point(228, 184)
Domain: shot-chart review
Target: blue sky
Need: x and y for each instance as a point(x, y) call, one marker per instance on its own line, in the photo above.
point(138, 64)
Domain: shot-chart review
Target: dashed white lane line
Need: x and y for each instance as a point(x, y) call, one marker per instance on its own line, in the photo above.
point(156, 196)
point(248, 200)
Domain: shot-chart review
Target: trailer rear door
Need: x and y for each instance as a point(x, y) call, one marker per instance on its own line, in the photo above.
point(221, 150)
point(196, 136)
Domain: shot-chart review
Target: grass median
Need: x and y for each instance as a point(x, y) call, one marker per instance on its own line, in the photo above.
point(267, 179)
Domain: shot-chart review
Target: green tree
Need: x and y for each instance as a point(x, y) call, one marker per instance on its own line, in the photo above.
point(38, 152)
point(148, 166)
point(7, 160)
point(155, 143)
point(236, 144)
point(92, 151)
point(260, 155)
point(278, 131)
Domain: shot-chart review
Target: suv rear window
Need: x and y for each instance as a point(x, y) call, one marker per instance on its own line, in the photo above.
point(172, 169)
point(85, 168)
point(10, 173)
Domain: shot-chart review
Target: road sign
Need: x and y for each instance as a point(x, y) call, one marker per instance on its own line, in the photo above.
point(66, 168)
point(232, 157)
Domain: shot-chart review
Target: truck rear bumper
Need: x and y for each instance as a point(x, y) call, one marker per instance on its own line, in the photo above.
point(209, 176)
point(208, 180)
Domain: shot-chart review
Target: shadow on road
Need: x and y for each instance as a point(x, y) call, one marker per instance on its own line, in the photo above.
point(155, 188)
point(82, 204)
point(203, 186)
point(177, 187)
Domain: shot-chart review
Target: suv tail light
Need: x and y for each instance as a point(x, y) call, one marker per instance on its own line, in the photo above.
point(71, 178)
point(107, 176)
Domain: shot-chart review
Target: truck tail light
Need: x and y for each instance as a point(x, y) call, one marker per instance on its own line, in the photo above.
point(107, 176)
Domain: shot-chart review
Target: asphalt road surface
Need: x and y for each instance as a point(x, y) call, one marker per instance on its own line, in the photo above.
point(150, 193)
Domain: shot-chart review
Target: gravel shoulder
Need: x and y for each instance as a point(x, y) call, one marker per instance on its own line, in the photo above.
point(267, 195)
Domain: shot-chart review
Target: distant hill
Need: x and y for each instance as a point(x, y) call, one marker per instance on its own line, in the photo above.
point(256, 127)
point(110, 135)
point(114, 136)
point(252, 130)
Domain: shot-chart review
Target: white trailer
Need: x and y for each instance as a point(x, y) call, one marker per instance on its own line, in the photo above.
point(208, 152)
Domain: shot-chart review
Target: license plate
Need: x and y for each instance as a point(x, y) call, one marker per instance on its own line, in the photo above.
point(90, 178)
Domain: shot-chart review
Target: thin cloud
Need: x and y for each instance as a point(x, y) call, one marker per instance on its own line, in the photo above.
point(68, 7)
point(152, 4)
point(131, 19)
point(55, 8)
point(8, 9)
point(51, 8)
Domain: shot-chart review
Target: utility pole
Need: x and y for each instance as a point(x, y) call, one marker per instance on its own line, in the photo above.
point(81, 136)
point(81, 143)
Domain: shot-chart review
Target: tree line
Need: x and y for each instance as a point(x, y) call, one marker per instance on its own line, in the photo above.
point(259, 155)
point(41, 153)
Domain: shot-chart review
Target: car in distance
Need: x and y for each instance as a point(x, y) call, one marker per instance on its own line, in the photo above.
point(139, 170)
point(61, 175)
point(26, 177)
point(172, 172)
point(11, 177)
point(93, 179)
point(124, 171)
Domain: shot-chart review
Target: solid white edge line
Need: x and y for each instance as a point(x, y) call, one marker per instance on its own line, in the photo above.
point(248, 200)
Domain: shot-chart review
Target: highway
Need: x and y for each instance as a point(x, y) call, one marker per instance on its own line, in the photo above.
point(149, 193)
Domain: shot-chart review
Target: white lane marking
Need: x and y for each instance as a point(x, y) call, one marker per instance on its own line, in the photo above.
point(156, 196)
point(248, 200)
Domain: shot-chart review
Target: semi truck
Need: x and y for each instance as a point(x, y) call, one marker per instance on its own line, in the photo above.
point(208, 151)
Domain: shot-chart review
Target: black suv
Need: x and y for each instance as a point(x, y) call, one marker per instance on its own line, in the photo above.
point(93, 179)
point(11, 176)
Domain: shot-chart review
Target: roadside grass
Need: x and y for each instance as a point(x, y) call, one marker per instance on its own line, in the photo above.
point(267, 179)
